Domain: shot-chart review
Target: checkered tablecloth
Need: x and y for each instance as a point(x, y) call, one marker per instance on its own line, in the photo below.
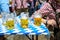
point(31, 30)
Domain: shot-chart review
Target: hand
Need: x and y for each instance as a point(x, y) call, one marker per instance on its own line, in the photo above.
point(58, 10)
point(51, 22)
point(44, 21)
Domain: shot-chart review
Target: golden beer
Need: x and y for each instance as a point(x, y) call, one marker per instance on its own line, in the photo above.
point(37, 21)
point(24, 23)
point(10, 24)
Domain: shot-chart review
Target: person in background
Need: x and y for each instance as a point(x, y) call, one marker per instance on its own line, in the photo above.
point(48, 11)
point(19, 6)
point(56, 7)
point(4, 7)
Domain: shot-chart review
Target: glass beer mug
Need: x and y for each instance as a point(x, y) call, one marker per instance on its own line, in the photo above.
point(9, 21)
point(24, 20)
point(37, 19)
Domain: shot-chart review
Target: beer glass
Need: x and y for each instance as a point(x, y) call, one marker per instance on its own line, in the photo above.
point(37, 19)
point(9, 23)
point(24, 20)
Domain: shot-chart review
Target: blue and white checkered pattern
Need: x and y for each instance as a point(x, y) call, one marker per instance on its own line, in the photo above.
point(31, 30)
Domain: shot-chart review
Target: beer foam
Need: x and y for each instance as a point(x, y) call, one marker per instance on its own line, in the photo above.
point(10, 19)
point(24, 17)
point(37, 16)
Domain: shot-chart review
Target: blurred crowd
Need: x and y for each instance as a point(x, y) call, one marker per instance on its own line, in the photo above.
point(50, 10)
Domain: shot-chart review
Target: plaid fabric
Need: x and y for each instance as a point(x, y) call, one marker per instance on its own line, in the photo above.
point(46, 9)
point(31, 30)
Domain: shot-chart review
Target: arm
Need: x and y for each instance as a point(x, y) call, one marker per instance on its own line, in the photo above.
point(47, 10)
